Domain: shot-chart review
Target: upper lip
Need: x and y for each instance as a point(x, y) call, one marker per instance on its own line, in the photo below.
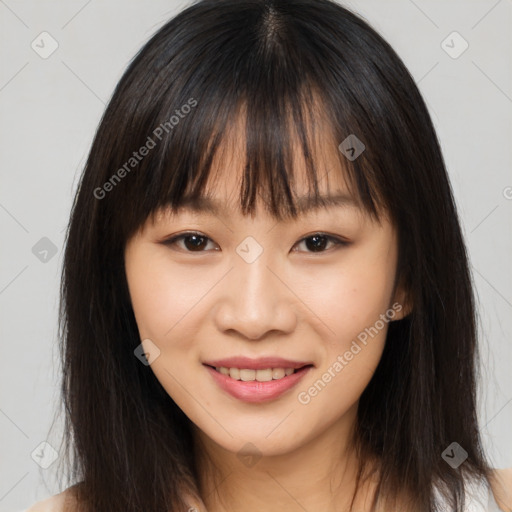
point(256, 364)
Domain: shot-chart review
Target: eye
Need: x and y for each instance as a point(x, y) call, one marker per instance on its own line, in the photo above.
point(192, 242)
point(197, 242)
point(318, 242)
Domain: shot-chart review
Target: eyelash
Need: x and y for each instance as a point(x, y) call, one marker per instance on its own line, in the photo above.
point(336, 241)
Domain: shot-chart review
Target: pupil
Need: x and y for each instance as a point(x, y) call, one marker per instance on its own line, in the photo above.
point(318, 242)
point(198, 242)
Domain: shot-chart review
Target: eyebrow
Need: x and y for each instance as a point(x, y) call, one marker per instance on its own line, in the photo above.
point(305, 204)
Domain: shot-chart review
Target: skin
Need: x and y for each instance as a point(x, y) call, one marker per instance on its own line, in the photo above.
point(291, 302)
point(501, 484)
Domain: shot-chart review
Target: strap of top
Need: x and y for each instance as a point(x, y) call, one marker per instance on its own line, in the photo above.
point(478, 497)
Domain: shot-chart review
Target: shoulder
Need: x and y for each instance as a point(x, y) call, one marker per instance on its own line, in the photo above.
point(62, 502)
point(501, 485)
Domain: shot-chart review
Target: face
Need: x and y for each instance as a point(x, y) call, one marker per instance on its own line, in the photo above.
point(293, 314)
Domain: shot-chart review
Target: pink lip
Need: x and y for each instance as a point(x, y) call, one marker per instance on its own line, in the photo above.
point(254, 391)
point(256, 364)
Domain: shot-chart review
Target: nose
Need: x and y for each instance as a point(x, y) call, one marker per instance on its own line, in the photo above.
point(255, 300)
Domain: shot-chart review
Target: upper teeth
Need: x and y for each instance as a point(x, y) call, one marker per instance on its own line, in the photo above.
point(246, 374)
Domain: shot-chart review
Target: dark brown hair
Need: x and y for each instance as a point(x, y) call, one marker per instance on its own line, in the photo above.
point(282, 63)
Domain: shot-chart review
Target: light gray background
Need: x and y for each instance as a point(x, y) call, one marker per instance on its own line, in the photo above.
point(49, 110)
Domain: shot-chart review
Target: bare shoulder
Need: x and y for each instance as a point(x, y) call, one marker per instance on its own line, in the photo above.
point(62, 502)
point(501, 484)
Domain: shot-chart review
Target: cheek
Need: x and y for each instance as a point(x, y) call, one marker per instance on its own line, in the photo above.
point(165, 302)
point(351, 302)
point(164, 297)
point(353, 296)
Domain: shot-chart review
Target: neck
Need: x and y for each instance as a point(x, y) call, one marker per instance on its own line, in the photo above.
point(318, 475)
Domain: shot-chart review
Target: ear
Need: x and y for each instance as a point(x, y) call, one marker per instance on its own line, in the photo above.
point(401, 302)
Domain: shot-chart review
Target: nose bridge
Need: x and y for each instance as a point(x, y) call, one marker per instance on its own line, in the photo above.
point(255, 301)
point(257, 285)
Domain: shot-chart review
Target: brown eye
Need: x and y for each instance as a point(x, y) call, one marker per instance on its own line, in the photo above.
point(189, 242)
point(319, 241)
point(195, 242)
point(316, 243)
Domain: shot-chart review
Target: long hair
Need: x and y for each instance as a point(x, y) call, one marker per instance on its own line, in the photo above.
point(285, 66)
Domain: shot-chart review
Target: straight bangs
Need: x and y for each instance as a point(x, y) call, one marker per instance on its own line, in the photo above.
point(267, 93)
point(263, 143)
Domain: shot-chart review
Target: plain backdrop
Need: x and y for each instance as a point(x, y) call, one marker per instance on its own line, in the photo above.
point(50, 106)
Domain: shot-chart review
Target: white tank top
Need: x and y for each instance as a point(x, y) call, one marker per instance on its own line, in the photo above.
point(479, 498)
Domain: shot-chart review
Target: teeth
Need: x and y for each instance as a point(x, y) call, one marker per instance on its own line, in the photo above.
point(248, 375)
point(278, 373)
point(234, 373)
point(264, 375)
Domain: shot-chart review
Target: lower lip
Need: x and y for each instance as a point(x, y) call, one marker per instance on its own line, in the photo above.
point(255, 391)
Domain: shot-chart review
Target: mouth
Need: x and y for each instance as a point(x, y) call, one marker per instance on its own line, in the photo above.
point(255, 385)
point(260, 375)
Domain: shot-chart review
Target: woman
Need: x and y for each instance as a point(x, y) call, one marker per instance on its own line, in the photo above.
point(266, 300)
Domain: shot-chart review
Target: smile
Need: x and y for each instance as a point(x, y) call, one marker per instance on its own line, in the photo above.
point(256, 385)
point(248, 375)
